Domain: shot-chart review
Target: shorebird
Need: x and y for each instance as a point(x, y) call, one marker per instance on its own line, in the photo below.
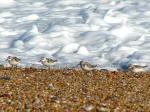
point(104, 70)
point(87, 66)
point(47, 61)
point(13, 61)
point(136, 68)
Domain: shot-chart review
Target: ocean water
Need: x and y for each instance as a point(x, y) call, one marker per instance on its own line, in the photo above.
point(109, 33)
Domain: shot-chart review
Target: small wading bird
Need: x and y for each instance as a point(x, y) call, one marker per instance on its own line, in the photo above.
point(87, 66)
point(136, 68)
point(104, 70)
point(47, 61)
point(13, 61)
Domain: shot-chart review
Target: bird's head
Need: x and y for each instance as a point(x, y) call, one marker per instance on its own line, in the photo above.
point(130, 66)
point(9, 58)
point(41, 59)
point(81, 62)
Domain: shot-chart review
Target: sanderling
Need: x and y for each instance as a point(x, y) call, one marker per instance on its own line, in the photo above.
point(104, 70)
point(136, 68)
point(13, 61)
point(47, 61)
point(87, 66)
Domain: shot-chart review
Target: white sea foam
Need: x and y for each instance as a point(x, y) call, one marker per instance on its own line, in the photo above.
point(109, 33)
point(7, 3)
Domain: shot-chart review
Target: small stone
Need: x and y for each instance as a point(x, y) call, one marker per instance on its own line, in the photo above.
point(102, 109)
point(54, 99)
point(4, 78)
point(51, 86)
point(38, 103)
point(88, 107)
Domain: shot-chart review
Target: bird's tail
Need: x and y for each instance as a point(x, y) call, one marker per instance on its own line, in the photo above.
point(144, 66)
point(94, 65)
point(55, 60)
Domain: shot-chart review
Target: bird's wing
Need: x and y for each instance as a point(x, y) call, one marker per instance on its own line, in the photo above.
point(86, 63)
point(51, 60)
point(90, 65)
point(139, 66)
point(17, 59)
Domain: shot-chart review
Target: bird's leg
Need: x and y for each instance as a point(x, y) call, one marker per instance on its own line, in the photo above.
point(130, 70)
point(12, 66)
point(85, 71)
point(44, 66)
point(88, 73)
point(49, 68)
